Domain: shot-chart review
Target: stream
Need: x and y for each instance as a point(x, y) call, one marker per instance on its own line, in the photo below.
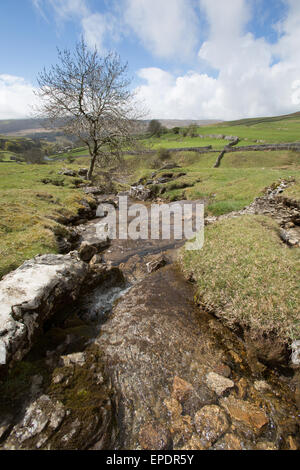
point(138, 365)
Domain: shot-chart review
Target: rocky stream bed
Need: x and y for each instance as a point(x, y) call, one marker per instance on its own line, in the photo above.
point(109, 351)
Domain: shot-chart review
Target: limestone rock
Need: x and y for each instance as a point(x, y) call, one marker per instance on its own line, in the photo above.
point(92, 190)
point(211, 423)
point(295, 358)
point(140, 192)
point(245, 412)
point(31, 294)
point(72, 359)
point(41, 419)
point(218, 383)
point(156, 263)
point(94, 235)
point(67, 172)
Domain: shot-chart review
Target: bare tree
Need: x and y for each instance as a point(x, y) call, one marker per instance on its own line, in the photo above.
point(88, 96)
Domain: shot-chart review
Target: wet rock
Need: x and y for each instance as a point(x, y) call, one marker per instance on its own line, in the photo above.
point(86, 251)
point(264, 445)
point(155, 333)
point(41, 419)
point(73, 359)
point(291, 443)
point(242, 387)
point(58, 378)
point(211, 423)
point(181, 389)
point(174, 407)
point(261, 386)
point(218, 383)
point(181, 429)
point(63, 245)
point(5, 426)
point(96, 260)
point(95, 235)
point(223, 369)
point(193, 444)
point(228, 442)
point(31, 294)
point(37, 381)
point(155, 437)
point(197, 399)
point(245, 412)
point(156, 262)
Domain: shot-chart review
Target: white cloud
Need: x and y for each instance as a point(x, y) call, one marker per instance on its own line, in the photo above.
point(166, 28)
point(16, 97)
point(247, 83)
point(95, 28)
point(65, 9)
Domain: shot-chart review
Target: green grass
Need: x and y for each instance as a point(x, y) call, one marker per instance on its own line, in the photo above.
point(248, 277)
point(242, 176)
point(278, 129)
point(27, 210)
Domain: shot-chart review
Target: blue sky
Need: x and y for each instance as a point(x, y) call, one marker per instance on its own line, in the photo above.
point(192, 59)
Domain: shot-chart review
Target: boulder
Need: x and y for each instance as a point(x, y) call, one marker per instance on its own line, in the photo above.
point(211, 423)
point(67, 172)
point(86, 251)
point(245, 412)
point(92, 190)
point(83, 172)
point(140, 192)
point(41, 419)
point(30, 295)
point(218, 383)
point(156, 262)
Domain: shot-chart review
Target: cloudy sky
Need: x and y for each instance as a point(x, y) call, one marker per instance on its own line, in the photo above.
point(188, 59)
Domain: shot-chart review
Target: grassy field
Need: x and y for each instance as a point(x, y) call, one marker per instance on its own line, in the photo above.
point(248, 277)
point(273, 130)
point(242, 176)
point(28, 207)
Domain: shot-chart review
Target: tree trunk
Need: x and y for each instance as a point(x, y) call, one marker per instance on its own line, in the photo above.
point(92, 165)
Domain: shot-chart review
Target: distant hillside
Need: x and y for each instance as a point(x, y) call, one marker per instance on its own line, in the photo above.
point(30, 127)
point(24, 126)
point(35, 127)
point(169, 123)
point(261, 120)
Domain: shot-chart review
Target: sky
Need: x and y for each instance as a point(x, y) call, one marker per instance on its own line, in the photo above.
point(188, 59)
